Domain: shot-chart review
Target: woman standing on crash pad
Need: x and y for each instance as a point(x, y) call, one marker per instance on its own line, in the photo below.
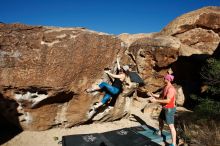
point(168, 98)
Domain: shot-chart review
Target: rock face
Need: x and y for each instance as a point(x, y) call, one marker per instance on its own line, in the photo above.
point(44, 71)
point(151, 54)
point(199, 30)
point(130, 38)
point(194, 35)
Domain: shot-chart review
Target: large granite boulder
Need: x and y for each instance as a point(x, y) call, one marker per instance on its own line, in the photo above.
point(194, 35)
point(152, 57)
point(45, 70)
point(199, 30)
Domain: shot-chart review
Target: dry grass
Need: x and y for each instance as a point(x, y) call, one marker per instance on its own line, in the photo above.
point(203, 133)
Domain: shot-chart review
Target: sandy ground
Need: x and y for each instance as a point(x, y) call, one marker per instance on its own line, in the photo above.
point(53, 136)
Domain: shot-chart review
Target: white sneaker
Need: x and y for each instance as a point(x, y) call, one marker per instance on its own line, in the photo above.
point(89, 90)
point(91, 113)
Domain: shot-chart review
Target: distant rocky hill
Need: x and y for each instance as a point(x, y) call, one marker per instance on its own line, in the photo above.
point(45, 70)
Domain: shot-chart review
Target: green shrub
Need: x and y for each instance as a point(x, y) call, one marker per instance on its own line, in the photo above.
point(208, 109)
point(210, 74)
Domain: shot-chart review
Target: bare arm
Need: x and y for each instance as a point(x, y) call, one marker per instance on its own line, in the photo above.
point(163, 100)
point(118, 65)
point(153, 95)
point(169, 95)
point(120, 76)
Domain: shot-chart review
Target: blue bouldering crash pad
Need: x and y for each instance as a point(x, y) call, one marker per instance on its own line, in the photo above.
point(134, 136)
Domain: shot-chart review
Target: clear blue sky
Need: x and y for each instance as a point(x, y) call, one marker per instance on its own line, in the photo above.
point(110, 16)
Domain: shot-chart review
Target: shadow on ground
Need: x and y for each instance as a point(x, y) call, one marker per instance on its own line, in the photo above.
point(143, 123)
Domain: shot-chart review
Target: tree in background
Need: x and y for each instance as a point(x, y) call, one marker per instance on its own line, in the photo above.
point(210, 74)
point(209, 103)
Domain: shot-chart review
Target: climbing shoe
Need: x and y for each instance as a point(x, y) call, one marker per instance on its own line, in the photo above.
point(90, 90)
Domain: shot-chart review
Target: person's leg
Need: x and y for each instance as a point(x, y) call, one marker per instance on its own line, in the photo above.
point(98, 105)
point(161, 125)
point(104, 100)
point(105, 85)
point(173, 134)
point(170, 121)
point(109, 88)
point(95, 88)
point(161, 119)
